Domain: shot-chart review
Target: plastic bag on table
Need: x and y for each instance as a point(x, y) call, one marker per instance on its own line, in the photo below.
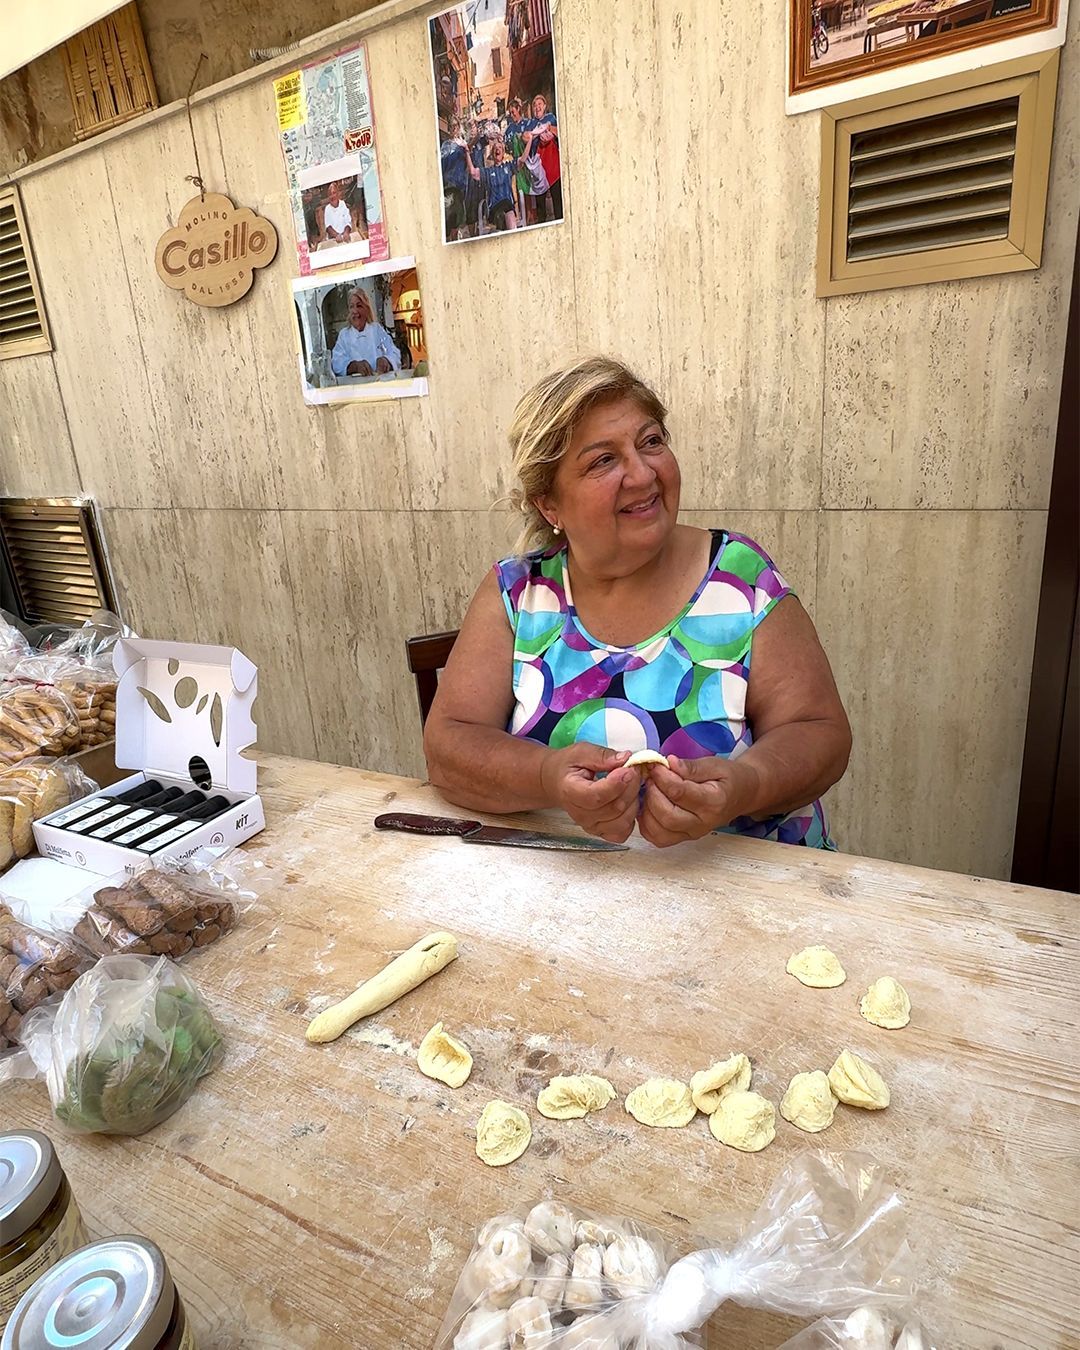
point(30, 790)
point(125, 1048)
point(36, 720)
point(92, 645)
point(13, 645)
point(864, 1329)
point(828, 1237)
point(33, 967)
point(169, 910)
point(555, 1276)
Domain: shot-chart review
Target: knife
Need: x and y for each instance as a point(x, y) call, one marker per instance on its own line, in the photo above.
point(474, 832)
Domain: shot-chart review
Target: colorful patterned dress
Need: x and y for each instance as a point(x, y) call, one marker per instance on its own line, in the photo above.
point(682, 691)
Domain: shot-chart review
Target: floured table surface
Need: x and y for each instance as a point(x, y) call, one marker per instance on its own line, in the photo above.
point(326, 1196)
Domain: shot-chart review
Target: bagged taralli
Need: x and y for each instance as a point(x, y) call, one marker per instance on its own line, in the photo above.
point(864, 1328)
point(828, 1237)
point(36, 720)
point(125, 1048)
point(30, 790)
point(81, 668)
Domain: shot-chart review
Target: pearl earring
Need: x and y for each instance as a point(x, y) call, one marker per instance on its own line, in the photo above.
point(556, 529)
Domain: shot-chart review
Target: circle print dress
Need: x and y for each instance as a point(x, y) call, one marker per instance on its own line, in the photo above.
point(680, 692)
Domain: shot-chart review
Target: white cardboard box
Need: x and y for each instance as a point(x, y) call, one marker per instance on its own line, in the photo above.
point(183, 717)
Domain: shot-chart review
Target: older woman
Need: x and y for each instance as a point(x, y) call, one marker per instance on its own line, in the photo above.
point(617, 629)
point(364, 347)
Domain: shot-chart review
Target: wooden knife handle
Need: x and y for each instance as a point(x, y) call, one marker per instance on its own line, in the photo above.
point(417, 824)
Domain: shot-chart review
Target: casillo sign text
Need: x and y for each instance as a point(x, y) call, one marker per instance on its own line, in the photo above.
point(211, 252)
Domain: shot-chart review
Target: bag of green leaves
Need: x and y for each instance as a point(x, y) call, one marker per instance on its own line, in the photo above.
point(126, 1046)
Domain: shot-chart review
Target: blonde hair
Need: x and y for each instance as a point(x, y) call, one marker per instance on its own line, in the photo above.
point(544, 423)
point(356, 290)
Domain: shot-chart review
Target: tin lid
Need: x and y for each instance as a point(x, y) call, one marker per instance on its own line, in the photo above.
point(30, 1177)
point(113, 1295)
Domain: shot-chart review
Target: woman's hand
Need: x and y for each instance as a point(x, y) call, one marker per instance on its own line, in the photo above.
point(605, 807)
point(693, 797)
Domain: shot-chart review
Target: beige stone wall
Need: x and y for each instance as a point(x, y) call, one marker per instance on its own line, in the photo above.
point(892, 450)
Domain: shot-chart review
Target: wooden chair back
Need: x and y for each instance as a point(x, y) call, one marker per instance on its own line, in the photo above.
point(427, 655)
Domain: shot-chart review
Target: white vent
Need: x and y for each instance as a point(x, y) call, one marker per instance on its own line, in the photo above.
point(932, 183)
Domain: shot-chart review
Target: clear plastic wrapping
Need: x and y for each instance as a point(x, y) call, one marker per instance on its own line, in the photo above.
point(864, 1328)
point(36, 719)
point(161, 911)
point(551, 1275)
point(33, 967)
point(81, 668)
point(828, 1238)
point(29, 790)
point(125, 1048)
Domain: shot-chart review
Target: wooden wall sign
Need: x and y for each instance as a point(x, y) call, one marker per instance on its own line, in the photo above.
point(211, 252)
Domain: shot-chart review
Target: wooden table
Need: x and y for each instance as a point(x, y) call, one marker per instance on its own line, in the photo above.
point(326, 1196)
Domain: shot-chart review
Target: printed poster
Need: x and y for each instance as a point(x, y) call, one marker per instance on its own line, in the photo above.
point(496, 118)
point(360, 333)
point(327, 128)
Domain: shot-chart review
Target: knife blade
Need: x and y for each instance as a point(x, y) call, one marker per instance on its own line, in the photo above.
point(475, 832)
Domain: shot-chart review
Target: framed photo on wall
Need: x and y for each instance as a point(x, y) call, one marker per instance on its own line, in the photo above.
point(840, 50)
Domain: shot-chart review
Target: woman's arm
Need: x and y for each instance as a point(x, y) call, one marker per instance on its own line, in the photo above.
point(802, 741)
point(477, 764)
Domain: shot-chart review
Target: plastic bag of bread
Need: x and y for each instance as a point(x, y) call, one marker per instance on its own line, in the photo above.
point(33, 967)
point(36, 719)
point(126, 1046)
point(828, 1238)
point(30, 790)
point(864, 1328)
point(81, 667)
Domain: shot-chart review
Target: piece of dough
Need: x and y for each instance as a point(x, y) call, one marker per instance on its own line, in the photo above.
point(550, 1227)
point(498, 1268)
point(444, 1057)
point(422, 960)
point(817, 967)
point(585, 1287)
point(631, 1266)
point(575, 1096)
point(857, 1084)
point(503, 1133)
point(642, 759)
point(744, 1120)
point(708, 1087)
point(550, 1285)
point(809, 1103)
point(911, 1338)
point(664, 1102)
point(864, 1329)
point(529, 1324)
point(596, 1233)
point(886, 1004)
point(483, 1329)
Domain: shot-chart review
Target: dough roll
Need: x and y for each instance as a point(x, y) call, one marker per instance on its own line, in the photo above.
point(422, 960)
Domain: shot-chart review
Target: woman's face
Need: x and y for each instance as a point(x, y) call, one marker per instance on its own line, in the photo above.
point(539, 106)
point(616, 490)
